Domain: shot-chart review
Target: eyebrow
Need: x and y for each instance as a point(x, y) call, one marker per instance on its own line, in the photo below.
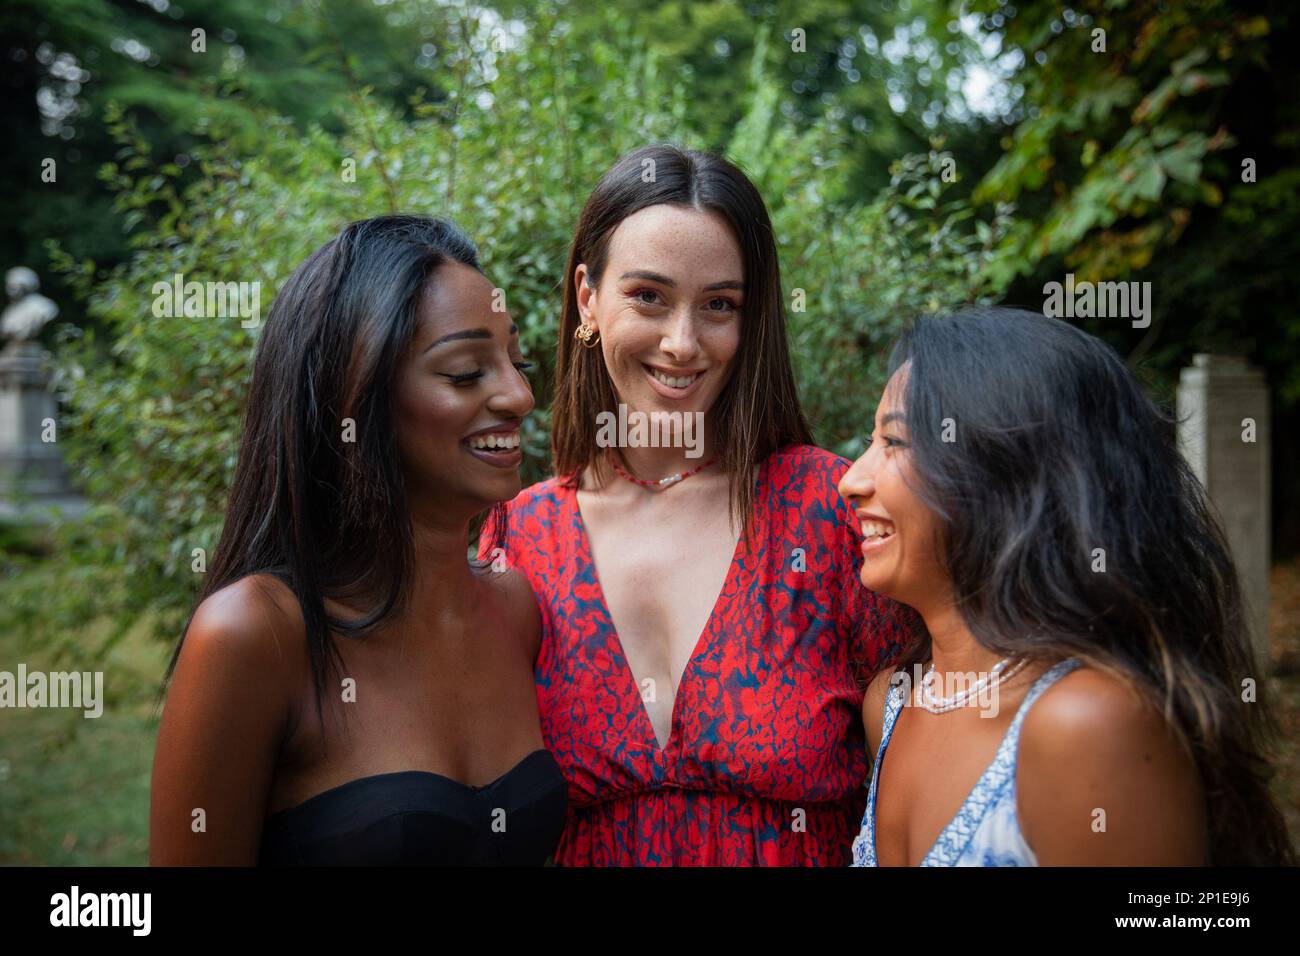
point(893, 417)
point(479, 333)
point(664, 280)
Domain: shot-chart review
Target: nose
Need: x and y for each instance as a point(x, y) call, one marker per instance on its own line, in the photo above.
point(680, 340)
point(514, 398)
point(859, 482)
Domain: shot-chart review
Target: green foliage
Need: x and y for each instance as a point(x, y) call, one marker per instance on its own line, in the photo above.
point(1172, 157)
point(1128, 162)
point(818, 54)
point(856, 273)
point(154, 404)
point(1100, 151)
point(78, 56)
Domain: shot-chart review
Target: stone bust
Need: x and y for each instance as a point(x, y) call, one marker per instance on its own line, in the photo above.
point(28, 311)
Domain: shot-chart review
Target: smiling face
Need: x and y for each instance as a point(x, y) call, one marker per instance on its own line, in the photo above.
point(668, 308)
point(461, 393)
point(898, 527)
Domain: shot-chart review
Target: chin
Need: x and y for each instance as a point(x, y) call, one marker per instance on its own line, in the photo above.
point(499, 491)
point(514, 488)
point(878, 583)
point(478, 496)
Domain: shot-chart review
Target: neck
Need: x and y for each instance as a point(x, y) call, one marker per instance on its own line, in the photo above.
point(652, 464)
point(953, 647)
point(441, 572)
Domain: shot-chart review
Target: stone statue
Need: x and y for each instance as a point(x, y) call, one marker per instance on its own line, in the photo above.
point(27, 314)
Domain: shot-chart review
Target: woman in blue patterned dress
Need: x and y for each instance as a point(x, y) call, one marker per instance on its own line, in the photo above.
point(1077, 687)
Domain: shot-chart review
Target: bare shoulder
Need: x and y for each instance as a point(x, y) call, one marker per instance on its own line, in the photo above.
point(1092, 710)
point(510, 586)
point(1103, 779)
point(255, 621)
point(228, 712)
point(873, 708)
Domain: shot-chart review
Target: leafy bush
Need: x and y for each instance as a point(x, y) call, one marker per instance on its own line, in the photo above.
point(510, 152)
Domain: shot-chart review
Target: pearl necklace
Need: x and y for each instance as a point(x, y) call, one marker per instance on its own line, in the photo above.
point(942, 705)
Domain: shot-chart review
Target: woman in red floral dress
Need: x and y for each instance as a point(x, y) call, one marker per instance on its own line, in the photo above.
point(705, 637)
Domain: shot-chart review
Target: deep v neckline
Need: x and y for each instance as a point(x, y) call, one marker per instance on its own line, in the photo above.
point(702, 642)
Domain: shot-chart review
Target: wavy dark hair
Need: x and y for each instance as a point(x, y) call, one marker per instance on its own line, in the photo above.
point(1058, 452)
point(758, 411)
point(330, 517)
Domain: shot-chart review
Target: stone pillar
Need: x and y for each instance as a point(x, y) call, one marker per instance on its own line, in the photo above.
point(1224, 432)
point(30, 467)
point(33, 480)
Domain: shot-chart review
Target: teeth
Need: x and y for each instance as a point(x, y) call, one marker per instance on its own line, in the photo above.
point(495, 442)
point(674, 382)
point(876, 529)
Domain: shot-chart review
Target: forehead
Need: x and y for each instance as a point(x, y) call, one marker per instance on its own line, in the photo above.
point(456, 294)
point(891, 400)
point(676, 241)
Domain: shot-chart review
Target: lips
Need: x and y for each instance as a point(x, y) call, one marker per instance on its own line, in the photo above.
point(495, 441)
point(673, 383)
point(876, 531)
point(496, 446)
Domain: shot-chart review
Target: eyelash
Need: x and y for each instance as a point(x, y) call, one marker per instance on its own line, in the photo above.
point(636, 295)
point(889, 442)
point(468, 377)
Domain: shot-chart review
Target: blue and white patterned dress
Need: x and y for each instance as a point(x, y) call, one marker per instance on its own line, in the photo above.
point(985, 831)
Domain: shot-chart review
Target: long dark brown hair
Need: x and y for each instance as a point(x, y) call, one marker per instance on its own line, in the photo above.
point(758, 411)
point(1058, 453)
point(329, 516)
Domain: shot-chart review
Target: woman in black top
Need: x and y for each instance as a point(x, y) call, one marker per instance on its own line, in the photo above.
point(350, 689)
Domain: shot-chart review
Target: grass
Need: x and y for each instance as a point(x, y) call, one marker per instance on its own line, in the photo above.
point(75, 791)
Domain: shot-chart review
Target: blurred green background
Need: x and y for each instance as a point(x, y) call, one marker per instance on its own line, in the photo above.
point(914, 154)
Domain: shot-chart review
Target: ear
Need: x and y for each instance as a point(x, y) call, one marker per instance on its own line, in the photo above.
point(586, 295)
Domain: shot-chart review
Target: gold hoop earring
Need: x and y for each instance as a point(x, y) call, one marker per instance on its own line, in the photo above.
point(587, 335)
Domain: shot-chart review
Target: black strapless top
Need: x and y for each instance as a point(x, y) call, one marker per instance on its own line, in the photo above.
point(419, 818)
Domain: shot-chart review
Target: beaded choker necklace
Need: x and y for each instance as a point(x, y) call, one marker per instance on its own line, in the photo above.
point(662, 482)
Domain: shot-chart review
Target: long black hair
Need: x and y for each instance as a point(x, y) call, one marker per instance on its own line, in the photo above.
point(1045, 462)
point(324, 513)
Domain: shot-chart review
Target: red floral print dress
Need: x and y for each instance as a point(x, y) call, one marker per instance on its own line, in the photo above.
point(766, 762)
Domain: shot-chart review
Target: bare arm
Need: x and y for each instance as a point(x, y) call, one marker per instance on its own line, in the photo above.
point(1102, 780)
point(220, 732)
